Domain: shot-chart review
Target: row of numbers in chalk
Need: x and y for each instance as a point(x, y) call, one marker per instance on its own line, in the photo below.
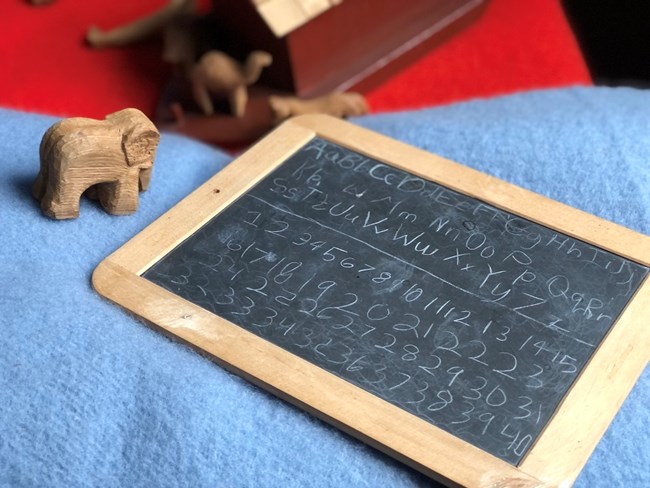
point(376, 312)
point(414, 293)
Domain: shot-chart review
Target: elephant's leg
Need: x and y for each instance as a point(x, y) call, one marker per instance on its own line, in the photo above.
point(145, 178)
point(61, 199)
point(119, 197)
point(39, 188)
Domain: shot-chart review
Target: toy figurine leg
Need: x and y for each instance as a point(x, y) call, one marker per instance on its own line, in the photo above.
point(120, 197)
point(202, 96)
point(145, 179)
point(238, 100)
point(62, 201)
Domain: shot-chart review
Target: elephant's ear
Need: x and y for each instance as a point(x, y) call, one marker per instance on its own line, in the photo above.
point(139, 135)
point(140, 146)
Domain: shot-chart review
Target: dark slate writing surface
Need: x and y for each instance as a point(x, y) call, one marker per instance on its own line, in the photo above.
point(464, 315)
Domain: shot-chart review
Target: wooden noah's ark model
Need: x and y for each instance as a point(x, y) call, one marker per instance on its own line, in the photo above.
point(323, 45)
point(317, 47)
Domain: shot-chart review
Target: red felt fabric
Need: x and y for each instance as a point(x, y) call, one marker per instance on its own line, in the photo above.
point(45, 66)
point(516, 45)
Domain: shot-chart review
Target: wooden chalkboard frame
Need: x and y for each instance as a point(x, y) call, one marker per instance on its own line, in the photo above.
point(570, 436)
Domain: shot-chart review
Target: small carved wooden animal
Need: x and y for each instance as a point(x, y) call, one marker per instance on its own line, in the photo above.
point(336, 104)
point(142, 28)
point(178, 23)
point(217, 73)
point(114, 156)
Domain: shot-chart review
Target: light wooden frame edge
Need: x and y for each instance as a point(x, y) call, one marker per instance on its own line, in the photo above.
point(569, 438)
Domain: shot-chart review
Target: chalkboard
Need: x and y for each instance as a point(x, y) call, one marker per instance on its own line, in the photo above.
point(491, 335)
point(464, 315)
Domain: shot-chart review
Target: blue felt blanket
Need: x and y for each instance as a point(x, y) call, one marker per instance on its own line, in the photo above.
point(91, 397)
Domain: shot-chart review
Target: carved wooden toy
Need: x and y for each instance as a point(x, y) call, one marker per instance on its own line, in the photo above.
point(219, 74)
point(337, 104)
point(112, 157)
point(141, 28)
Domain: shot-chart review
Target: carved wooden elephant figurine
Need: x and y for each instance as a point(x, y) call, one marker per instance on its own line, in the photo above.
point(112, 157)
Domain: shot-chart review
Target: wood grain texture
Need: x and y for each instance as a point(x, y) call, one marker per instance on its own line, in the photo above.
point(564, 446)
point(112, 157)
